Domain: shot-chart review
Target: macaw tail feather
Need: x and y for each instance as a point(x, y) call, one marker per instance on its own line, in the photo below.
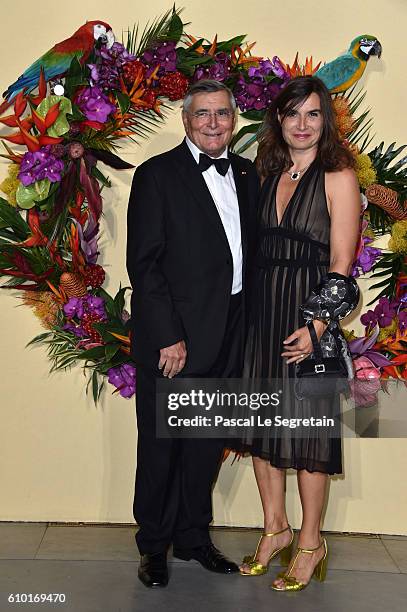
point(52, 64)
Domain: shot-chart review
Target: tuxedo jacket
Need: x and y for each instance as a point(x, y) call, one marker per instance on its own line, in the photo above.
point(178, 257)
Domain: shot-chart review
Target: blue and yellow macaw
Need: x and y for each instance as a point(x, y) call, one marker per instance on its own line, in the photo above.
point(55, 62)
point(347, 69)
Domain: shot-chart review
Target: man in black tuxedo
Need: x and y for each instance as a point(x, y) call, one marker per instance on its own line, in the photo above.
point(190, 215)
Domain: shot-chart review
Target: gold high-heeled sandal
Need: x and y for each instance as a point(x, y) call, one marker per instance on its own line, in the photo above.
point(291, 583)
point(256, 568)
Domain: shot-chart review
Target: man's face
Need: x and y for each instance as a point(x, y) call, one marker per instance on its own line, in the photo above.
point(212, 131)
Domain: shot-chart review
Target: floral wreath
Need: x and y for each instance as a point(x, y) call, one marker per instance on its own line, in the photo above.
point(72, 108)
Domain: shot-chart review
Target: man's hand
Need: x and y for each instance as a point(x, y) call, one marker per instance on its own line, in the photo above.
point(172, 359)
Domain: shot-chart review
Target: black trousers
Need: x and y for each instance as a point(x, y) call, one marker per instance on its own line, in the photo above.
point(174, 477)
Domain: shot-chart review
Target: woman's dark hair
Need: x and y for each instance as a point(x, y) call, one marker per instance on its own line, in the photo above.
point(273, 155)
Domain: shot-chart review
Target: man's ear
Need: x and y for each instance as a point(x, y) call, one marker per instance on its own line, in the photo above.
point(279, 117)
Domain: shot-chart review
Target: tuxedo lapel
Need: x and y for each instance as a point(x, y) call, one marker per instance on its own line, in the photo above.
point(193, 180)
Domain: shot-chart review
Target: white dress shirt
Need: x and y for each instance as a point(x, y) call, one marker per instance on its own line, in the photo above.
point(223, 192)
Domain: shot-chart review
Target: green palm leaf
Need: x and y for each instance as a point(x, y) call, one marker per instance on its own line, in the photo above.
point(61, 348)
point(167, 27)
point(380, 220)
point(392, 175)
point(386, 271)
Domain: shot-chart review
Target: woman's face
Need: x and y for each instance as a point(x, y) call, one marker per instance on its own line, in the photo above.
point(302, 126)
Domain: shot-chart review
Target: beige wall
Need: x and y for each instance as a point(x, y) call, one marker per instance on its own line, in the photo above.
point(61, 458)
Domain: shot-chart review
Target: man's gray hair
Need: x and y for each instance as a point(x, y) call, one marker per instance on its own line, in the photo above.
point(207, 86)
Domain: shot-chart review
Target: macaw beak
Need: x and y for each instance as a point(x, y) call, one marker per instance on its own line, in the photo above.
point(371, 47)
point(376, 49)
point(110, 39)
point(106, 39)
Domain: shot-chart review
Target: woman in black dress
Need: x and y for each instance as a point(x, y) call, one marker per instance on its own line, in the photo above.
point(307, 231)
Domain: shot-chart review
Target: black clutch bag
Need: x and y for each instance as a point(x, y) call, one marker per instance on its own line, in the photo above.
point(320, 376)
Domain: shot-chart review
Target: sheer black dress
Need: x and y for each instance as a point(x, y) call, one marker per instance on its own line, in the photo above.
point(291, 260)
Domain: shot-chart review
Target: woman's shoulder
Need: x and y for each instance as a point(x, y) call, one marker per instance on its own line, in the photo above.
point(342, 179)
point(344, 175)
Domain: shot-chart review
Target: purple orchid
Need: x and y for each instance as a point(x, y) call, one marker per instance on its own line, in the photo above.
point(385, 311)
point(366, 259)
point(117, 54)
point(40, 165)
point(262, 87)
point(105, 77)
point(98, 110)
point(27, 178)
point(402, 318)
point(75, 329)
point(95, 305)
point(105, 71)
point(279, 70)
point(52, 171)
point(218, 71)
point(383, 314)
point(124, 379)
point(201, 72)
point(256, 94)
point(163, 54)
point(369, 319)
point(28, 161)
point(95, 105)
point(265, 68)
point(74, 308)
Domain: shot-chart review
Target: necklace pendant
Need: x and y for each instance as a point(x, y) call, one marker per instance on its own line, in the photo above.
point(294, 176)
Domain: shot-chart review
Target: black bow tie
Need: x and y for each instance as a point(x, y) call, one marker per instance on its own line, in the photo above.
point(221, 164)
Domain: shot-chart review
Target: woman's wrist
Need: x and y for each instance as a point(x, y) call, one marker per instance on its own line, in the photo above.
point(320, 326)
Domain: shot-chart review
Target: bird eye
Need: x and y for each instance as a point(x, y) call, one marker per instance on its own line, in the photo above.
point(363, 41)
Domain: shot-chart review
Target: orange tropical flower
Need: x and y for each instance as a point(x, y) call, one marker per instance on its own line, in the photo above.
point(393, 343)
point(240, 57)
point(33, 143)
point(344, 120)
point(139, 94)
point(298, 69)
point(192, 41)
point(23, 137)
point(125, 340)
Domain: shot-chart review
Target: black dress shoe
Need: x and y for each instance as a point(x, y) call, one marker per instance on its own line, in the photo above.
point(210, 557)
point(153, 570)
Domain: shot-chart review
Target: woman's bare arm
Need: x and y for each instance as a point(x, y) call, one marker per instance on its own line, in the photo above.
point(343, 196)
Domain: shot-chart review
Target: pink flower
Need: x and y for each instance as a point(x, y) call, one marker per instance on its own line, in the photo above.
point(365, 369)
point(366, 384)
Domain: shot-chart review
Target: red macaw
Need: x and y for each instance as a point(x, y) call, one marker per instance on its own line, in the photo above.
point(57, 60)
